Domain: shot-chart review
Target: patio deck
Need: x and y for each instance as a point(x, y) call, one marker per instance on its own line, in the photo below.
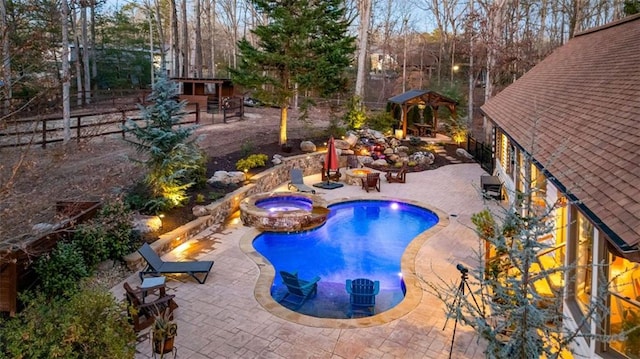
point(223, 319)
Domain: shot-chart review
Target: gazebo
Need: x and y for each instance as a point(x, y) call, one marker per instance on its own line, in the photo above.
point(422, 99)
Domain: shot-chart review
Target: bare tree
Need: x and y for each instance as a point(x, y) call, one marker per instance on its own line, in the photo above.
point(6, 59)
point(85, 50)
point(66, 78)
point(197, 61)
point(185, 41)
point(364, 9)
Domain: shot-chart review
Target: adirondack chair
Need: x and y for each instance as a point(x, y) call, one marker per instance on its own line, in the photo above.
point(145, 304)
point(399, 176)
point(362, 296)
point(371, 181)
point(298, 290)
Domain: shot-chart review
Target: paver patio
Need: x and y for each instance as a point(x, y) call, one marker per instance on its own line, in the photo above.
point(223, 319)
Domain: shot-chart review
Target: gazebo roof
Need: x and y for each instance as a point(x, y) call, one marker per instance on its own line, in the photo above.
point(430, 97)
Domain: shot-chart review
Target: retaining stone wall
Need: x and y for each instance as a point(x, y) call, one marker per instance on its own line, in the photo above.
point(219, 211)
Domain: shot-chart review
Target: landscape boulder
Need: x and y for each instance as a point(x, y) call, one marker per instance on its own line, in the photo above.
point(227, 178)
point(460, 152)
point(146, 224)
point(307, 146)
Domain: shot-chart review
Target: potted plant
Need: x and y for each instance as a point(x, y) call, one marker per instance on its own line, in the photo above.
point(163, 332)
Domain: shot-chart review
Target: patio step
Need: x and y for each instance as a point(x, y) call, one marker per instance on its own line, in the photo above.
point(439, 150)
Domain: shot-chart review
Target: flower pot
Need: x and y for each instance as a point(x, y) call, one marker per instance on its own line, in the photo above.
point(162, 348)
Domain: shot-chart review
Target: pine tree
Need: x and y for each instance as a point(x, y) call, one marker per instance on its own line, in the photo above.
point(508, 309)
point(174, 161)
point(304, 47)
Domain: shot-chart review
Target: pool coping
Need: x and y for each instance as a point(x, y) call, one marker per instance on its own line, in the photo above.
point(413, 296)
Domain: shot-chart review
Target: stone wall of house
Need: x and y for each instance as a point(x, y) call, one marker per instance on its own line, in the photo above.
point(218, 212)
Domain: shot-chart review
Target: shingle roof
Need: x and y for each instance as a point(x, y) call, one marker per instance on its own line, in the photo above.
point(578, 113)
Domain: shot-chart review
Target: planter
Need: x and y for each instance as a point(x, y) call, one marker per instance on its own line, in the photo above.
point(163, 348)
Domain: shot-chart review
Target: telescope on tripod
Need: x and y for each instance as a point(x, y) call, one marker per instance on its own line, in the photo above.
point(457, 301)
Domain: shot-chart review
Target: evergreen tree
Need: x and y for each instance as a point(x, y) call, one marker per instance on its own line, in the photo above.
point(174, 161)
point(304, 47)
point(514, 306)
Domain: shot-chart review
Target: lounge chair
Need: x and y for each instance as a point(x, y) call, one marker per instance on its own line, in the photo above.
point(298, 290)
point(399, 176)
point(297, 182)
point(362, 295)
point(142, 311)
point(156, 266)
point(371, 181)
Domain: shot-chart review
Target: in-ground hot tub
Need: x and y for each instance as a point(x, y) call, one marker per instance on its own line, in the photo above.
point(283, 211)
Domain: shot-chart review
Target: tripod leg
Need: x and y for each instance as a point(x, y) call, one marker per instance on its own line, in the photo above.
point(457, 301)
point(474, 300)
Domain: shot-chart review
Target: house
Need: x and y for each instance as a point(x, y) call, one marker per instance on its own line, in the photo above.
point(570, 127)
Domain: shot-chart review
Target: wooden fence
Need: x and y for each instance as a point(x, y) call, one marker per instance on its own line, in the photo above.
point(50, 129)
point(16, 264)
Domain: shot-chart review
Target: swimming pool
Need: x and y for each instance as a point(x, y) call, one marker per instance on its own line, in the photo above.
point(364, 238)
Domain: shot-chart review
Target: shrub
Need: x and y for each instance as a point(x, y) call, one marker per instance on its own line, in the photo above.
point(109, 235)
point(61, 271)
point(356, 116)
point(199, 198)
point(253, 161)
point(381, 121)
point(88, 325)
point(246, 148)
point(414, 141)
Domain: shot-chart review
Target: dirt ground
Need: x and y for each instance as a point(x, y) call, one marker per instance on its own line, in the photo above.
point(33, 179)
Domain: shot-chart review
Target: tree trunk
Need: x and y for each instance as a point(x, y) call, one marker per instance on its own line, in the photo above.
point(161, 38)
point(175, 40)
point(363, 31)
point(211, 16)
point(185, 41)
point(85, 55)
point(283, 125)
point(197, 61)
point(66, 83)
point(78, 63)
point(6, 60)
point(94, 66)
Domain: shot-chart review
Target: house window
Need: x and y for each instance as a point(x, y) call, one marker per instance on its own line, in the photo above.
point(624, 304)
point(538, 187)
point(583, 260)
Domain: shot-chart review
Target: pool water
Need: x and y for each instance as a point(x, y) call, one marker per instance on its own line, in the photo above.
point(283, 204)
point(361, 239)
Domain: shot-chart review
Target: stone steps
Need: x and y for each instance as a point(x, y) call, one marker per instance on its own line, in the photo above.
point(439, 150)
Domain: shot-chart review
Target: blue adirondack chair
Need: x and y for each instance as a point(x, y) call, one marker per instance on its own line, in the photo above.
point(298, 290)
point(362, 293)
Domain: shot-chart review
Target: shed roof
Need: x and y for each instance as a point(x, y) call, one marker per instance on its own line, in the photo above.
point(578, 114)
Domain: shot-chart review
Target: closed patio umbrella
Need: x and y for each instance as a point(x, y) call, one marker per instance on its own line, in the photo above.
point(331, 159)
point(331, 163)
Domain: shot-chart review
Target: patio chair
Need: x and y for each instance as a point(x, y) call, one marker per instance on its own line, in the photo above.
point(362, 295)
point(353, 162)
point(142, 311)
point(298, 290)
point(371, 181)
point(297, 182)
point(330, 175)
point(398, 176)
point(156, 266)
